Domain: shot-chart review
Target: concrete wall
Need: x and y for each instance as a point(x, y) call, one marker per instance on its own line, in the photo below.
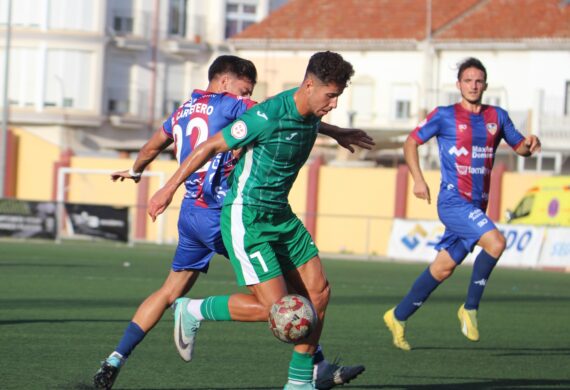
point(355, 205)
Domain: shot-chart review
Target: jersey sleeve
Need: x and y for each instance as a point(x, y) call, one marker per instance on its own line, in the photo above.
point(238, 107)
point(167, 127)
point(252, 126)
point(512, 136)
point(427, 128)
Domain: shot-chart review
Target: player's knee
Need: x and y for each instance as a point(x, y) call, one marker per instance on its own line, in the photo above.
point(497, 246)
point(442, 270)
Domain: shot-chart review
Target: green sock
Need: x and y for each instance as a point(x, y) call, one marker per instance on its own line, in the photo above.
point(301, 368)
point(216, 308)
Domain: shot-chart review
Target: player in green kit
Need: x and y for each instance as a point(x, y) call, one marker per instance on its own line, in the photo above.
point(269, 247)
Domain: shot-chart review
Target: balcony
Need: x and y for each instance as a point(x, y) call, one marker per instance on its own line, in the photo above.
point(555, 132)
point(184, 47)
point(130, 33)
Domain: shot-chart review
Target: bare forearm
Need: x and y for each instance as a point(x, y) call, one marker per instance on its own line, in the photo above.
point(156, 144)
point(144, 158)
point(191, 164)
point(200, 156)
point(328, 129)
point(412, 159)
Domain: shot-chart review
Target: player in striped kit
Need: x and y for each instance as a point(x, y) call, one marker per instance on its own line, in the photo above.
point(468, 134)
point(231, 82)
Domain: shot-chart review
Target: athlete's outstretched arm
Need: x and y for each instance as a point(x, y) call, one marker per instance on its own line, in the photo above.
point(530, 146)
point(347, 137)
point(156, 144)
point(199, 156)
point(421, 189)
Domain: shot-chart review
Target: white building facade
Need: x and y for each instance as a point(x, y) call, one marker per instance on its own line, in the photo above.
point(100, 76)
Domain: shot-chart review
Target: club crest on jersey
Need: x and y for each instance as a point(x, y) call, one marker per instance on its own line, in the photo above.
point(462, 127)
point(492, 128)
point(239, 130)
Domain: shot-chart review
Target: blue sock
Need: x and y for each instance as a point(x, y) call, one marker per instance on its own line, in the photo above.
point(418, 294)
point(318, 356)
point(484, 264)
point(133, 335)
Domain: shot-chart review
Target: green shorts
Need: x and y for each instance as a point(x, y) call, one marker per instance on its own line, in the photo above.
point(263, 244)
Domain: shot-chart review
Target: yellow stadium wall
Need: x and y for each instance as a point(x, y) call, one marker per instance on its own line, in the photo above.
point(352, 218)
point(355, 206)
point(419, 208)
point(35, 165)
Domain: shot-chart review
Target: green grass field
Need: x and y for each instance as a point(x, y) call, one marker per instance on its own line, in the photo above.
point(64, 307)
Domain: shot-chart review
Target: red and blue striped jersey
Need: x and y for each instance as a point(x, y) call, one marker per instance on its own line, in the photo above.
point(196, 120)
point(467, 144)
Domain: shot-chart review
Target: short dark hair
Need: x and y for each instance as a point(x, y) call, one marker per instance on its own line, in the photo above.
point(330, 67)
point(471, 62)
point(239, 67)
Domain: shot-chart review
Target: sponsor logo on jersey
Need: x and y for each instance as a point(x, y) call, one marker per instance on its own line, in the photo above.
point(473, 215)
point(482, 152)
point(262, 114)
point(492, 128)
point(468, 169)
point(458, 152)
point(239, 130)
point(291, 136)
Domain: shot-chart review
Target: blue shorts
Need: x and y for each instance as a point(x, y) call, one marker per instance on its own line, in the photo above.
point(464, 222)
point(199, 238)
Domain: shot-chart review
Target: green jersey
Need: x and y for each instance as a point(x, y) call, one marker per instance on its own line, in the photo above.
point(277, 141)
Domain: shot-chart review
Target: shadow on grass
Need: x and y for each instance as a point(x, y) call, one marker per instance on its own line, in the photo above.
point(386, 301)
point(480, 384)
point(58, 321)
point(45, 265)
point(499, 351)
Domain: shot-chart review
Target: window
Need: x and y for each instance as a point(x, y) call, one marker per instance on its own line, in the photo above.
point(403, 109)
point(174, 87)
point(122, 17)
point(490, 99)
point(177, 18)
point(452, 98)
point(23, 78)
point(567, 99)
point(71, 15)
point(65, 78)
point(361, 102)
point(402, 97)
point(239, 15)
point(25, 13)
point(119, 82)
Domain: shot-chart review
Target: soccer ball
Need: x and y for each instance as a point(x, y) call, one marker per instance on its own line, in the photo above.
point(292, 318)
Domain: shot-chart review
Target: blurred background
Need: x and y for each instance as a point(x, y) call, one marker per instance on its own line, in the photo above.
point(85, 83)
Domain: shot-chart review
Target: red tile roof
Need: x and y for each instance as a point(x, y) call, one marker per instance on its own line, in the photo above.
point(406, 20)
point(511, 19)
